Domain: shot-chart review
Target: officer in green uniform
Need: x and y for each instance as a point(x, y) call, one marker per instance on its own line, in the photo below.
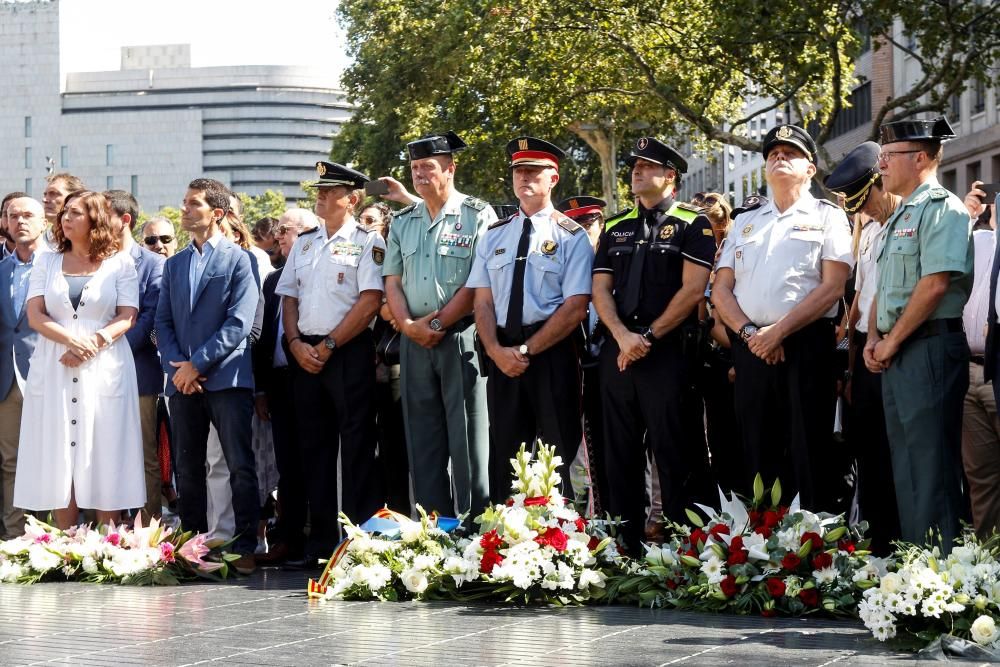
point(432, 244)
point(915, 335)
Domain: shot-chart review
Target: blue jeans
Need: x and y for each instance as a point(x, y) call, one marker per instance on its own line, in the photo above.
point(231, 412)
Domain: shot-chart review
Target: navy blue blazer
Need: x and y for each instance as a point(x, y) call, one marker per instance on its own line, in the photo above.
point(14, 332)
point(213, 333)
point(149, 267)
point(991, 324)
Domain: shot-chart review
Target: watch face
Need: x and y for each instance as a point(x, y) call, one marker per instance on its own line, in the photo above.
point(435, 324)
point(330, 343)
point(523, 349)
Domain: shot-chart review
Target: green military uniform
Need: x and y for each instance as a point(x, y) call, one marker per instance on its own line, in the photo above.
point(444, 397)
point(925, 384)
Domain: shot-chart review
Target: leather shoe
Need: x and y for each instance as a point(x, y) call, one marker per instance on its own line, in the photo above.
point(279, 553)
point(245, 564)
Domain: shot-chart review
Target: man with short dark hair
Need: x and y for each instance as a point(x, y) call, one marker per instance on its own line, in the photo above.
point(6, 239)
point(158, 236)
point(57, 188)
point(149, 267)
point(208, 299)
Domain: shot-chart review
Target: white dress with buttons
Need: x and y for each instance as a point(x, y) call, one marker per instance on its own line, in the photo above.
point(80, 426)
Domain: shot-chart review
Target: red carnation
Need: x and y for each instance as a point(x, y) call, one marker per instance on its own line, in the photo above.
point(776, 587)
point(782, 511)
point(671, 584)
point(581, 525)
point(697, 535)
point(809, 596)
point(490, 541)
point(754, 517)
point(536, 501)
point(718, 529)
point(763, 530)
point(737, 554)
point(728, 586)
point(593, 543)
point(490, 560)
point(791, 562)
point(510, 502)
point(816, 540)
point(771, 519)
point(822, 560)
point(846, 545)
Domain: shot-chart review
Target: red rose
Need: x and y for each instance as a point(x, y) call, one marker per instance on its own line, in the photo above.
point(763, 530)
point(490, 560)
point(791, 562)
point(536, 501)
point(821, 560)
point(593, 543)
point(776, 587)
point(671, 584)
point(556, 539)
point(736, 543)
point(737, 554)
point(816, 540)
point(510, 502)
point(718, 529)
point(113, 539)
point(782, 511)
point(728, 586)
point(490, 541)
point(846, 545)
point(754, 517)
point(697, 535)
point(581, 525)
point(771, 519)
point(768, 613)
point(809, 596)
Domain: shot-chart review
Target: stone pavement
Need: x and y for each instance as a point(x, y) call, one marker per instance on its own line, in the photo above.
point(267, 620)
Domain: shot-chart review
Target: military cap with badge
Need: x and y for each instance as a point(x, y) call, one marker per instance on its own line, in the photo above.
point(332, 174)
point(933, 130)
point(533, 152)
point(435, 144)
point(854, 177)
point(792, 135)
point(581, 206)
point(653, 150)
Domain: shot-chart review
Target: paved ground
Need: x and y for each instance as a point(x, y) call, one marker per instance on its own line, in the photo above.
point(267, 620)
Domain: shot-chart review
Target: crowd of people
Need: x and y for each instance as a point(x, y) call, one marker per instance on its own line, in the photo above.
point(355, 357)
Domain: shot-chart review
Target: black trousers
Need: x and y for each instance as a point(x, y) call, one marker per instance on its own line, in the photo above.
point(642, 407)
point(785, 414)
point(394, 467)
point(724, 445)
point(876, 490)
point(335, 410)
point(593, 435)
point(292, 500)
point(542, 402)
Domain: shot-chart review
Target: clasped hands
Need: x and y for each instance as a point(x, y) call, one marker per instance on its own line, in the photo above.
point(80, 349)
point(878, 353)
point(766, 343)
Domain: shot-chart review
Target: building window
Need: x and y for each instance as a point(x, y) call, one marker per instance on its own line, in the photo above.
point(109, 155)
point(979, 97)
point(27, 158)
point(857, 114)
point(949, 180)
point(27, 127)
point(956, 107)
point(973, 172)
point(109, 183)
point(135, 185)
point(27, 185)
point(64, 156)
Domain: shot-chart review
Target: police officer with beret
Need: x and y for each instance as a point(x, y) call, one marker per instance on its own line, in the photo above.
point(650, 273)
point(915, 334)
point(431, 248)
point(588, 212)
point(858, 181)
point(532, 281)
point(780, 275)
point(332, 288)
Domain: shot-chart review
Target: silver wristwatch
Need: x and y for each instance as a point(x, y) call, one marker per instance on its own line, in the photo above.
point(435, 324)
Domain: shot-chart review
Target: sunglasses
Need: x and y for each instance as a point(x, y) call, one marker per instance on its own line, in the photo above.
point(165, 239)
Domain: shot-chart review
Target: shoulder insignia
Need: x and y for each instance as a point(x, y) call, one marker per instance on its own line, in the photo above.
point(749, 204)
point(938, 193)
point(474, 202)
point(366, 228)
point(827, 202)
point(378, 255)
point(309, 231)
point(627, 214)
point(683, 211)
point(566, 222)
point(404, 211)
point(501, 223)
point(688, 207)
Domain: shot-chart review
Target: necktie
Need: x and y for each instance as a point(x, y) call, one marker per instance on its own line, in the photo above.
point(515, 305)
point(633, 286)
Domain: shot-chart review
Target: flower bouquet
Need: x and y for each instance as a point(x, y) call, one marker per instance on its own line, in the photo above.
point(140, 555)
point(536, 547)
point(928, 595)
point(391, 557)
point(764, 558)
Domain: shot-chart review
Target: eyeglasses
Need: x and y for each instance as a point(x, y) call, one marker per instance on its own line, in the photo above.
point(164, 239)
point(885, 156)
point(282, 230)
point(710, 200)
point(370, 220)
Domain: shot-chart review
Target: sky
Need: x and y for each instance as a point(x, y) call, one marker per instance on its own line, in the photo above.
point(221, 32)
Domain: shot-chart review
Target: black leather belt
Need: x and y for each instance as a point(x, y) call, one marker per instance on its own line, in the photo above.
point(309, 339)
point(935, 328)
point(978, 359)
point(507, 338)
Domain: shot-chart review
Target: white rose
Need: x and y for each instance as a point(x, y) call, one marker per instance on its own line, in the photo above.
point(411, 531)
point(984, 630)
point(415, 580)
point(891, 583)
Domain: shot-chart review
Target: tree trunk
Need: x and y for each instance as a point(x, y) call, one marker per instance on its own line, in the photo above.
point(604, 142)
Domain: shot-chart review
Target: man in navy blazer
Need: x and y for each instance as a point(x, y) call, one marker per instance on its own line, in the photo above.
point(17, 341)
point(208, 300)
point(149, 267)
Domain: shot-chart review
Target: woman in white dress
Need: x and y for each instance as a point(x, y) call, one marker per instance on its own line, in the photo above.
point(80, 444)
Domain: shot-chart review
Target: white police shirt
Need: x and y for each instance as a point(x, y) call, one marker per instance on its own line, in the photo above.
point(559, 264)
point(328, 273)
point(777, 257)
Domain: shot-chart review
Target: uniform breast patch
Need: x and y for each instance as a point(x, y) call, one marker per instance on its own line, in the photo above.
point(903, 233)
point(549, 247)
point(456, 240)
point(378, 255)
point(345, 249)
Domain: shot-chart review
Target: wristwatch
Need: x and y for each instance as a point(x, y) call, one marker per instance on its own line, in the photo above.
point(330, 343)
point(435, 324)
point(647, 333)
point(524, 349)
point(747, 331)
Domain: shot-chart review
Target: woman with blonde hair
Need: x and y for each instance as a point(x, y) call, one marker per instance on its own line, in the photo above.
point(80, 445)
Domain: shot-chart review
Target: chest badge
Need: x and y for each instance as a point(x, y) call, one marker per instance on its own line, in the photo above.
point(458, 226)
point(667, 232)
point(549, 247)
point(747, 230)
point(906, 217)
point(305, 248)
point(340, 278)
point(499, 251)
point(378, 255)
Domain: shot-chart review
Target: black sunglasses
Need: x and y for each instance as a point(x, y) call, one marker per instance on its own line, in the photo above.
point(165, 239)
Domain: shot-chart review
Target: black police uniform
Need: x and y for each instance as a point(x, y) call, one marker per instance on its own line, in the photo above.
point(646, 399)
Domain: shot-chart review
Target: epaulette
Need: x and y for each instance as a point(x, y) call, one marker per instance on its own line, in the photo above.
point(566, 222)
point(404, 210)
point(689, 207)
point(827, 202)
point(749, 204)
point(366, 229)
point(938, 194)
point(501, 223)
point(618, 216)
point(475, 202)
point(309, 231)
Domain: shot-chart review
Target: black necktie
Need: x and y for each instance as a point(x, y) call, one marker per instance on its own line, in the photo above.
point(515, 305)
point(633, 287)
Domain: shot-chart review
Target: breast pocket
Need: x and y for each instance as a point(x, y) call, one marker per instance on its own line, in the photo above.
point(544, 273)
point(664, 260)
point(408, 251)
point(500, 268)
point(807, 245)
point(454, 264)
point(745, 255)
point(620, 259)
point(903, 262)
point(342, 273)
